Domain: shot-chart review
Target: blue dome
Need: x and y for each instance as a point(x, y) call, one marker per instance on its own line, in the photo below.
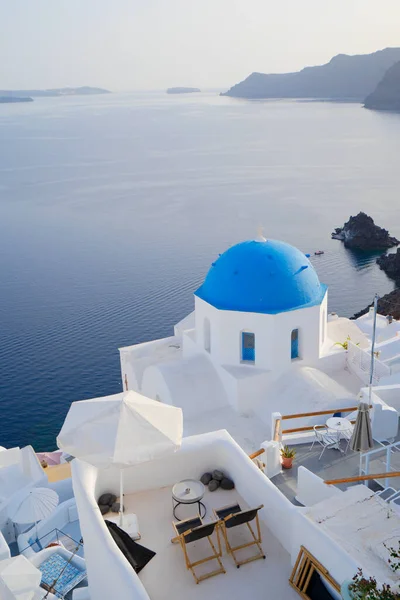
point(262, 277)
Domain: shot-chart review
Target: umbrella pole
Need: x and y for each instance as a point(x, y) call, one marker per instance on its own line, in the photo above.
point(121, 497)
point(371, 370)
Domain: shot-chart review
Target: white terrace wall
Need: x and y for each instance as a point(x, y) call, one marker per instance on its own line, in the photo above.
point(307, 533)
point(107, 568)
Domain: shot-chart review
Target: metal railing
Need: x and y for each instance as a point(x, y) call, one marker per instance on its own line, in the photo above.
point(54, 536)
point(365, 458)
point(359, 363)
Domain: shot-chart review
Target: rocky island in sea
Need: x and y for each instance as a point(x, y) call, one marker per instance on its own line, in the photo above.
point(345, 77)
point(361, 233)
point(182, 90)
point(78, 91)
point(386, 96)
point(390, 263)
point(14, 99)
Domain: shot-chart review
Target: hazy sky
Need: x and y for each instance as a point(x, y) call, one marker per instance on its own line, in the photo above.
point(152, 44)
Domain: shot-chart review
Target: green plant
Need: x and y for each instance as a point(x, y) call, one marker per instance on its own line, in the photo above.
point(287, 452)
point(345, 344)
point(367, 589)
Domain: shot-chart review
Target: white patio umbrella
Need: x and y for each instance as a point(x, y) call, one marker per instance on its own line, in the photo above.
point(19, 579)
point(33, 505)
point(122, 430)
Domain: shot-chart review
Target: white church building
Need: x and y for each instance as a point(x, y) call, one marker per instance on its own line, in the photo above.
point(259, 340)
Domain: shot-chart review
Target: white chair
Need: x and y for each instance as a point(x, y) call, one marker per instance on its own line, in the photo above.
point(347, 434)
point(326, 438)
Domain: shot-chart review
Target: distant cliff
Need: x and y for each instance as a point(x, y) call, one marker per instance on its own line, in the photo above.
point(80, 91)
point(387, 94)
point(12, 99)
point(182, 90)
point(343, 78)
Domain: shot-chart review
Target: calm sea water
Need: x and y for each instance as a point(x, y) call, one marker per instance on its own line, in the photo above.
point(113, 208)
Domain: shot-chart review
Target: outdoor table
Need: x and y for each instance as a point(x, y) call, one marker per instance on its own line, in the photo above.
point(339, 424)
point(188, 491)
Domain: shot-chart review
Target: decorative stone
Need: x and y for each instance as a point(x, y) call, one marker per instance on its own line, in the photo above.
point(214, 485)
point(104, 508)
point(115, 507)
point(218, 475)
point(227, 484)
point(107, 498)
point(206, 478)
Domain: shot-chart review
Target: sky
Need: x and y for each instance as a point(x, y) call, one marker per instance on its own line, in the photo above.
point(154, 44)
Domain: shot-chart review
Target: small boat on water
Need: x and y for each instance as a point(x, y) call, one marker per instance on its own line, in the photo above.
point(319, 252)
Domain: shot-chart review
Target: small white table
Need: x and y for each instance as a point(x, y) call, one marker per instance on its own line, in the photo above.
point(339, 424)
point(188, 491)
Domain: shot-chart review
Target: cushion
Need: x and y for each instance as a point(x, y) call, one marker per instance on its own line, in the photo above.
point(227, 484)
point(104, 508)
point(206, 478)
point(115, 508)
point(107, 498)
point(213, 485)
point(73, 513)
point(218, 475)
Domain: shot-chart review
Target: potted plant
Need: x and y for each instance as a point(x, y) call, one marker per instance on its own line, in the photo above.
point(287, 456)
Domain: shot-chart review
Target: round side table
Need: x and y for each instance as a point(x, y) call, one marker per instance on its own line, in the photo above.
point(188, 491)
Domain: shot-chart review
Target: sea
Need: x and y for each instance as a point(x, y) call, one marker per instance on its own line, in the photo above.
point(113, 208)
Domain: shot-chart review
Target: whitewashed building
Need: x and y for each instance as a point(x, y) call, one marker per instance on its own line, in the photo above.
point(259, 340)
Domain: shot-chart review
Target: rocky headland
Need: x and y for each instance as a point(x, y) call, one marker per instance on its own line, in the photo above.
point(79, 91)
point(387, 94)
point(361, 233)
point(182, 90)
point(345, 77)
point(14, 99)
point(389, 304)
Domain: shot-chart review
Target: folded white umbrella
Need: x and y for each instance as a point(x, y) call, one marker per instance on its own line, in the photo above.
point(19, 579)
point(122, 430)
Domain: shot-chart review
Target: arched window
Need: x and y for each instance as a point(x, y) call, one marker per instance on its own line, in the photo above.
point(207, 335)
point(248, 351)
point(295, 344)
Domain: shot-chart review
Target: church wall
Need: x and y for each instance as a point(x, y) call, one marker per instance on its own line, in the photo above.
point(272, 334)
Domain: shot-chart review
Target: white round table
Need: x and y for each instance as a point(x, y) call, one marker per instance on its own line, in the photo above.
point(188, 491)
point(339, 424)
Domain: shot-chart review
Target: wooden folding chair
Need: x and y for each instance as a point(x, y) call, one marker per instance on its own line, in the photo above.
point(192, 530)
point(232, 516)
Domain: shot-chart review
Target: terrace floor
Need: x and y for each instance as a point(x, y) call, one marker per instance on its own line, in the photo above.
point(334, 465)
point(166, 576)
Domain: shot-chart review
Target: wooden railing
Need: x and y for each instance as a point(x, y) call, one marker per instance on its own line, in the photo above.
point(362, 478)
point(278, 432)
point(314, 414)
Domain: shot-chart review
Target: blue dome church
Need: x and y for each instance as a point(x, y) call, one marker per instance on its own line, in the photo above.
point(261, 305)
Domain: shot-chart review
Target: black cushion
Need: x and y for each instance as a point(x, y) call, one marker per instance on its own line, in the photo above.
point(214, 485)
point(107, 498)
point(137, 555)
point(115, 508)
point(218, 475)
point(206, 478)
point(227, 484)
point(104, 508)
